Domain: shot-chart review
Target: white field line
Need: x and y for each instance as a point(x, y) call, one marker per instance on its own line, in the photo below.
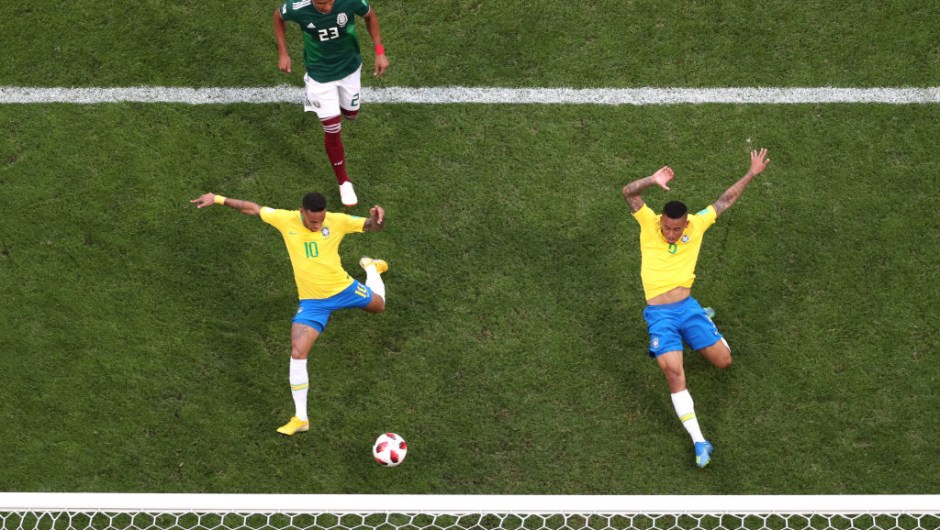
point(443, 95)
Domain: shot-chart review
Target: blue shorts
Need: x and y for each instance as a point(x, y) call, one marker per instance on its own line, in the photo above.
point(315, 312)
point(670, 324)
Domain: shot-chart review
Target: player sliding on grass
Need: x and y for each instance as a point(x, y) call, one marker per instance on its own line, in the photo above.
point(334, 64)
point(312, 237)
point(669, 245)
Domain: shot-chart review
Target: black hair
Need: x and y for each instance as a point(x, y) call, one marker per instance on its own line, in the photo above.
point(314, 202)
point(675, 209)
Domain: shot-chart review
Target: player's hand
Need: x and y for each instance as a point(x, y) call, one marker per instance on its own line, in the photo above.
point(284, 63)
point(759, 161)
point(663, 176)
point(204, 200)
point(381, 65)
point(377, 213)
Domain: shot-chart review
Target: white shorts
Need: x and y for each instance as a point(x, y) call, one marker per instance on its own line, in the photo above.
point(327, 98)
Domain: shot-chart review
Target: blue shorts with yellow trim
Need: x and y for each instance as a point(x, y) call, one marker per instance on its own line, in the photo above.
point(315, 312)
point(671, 324)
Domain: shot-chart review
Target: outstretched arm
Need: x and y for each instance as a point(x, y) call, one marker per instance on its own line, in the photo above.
point(376, 220)
point(632, 191)
point(759, 161)
point(245, 207)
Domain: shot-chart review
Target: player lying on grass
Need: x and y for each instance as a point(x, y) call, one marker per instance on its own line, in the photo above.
point(669, 246)
point(312, 236)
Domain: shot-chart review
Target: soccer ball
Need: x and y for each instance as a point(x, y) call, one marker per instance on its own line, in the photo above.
point(389, 449)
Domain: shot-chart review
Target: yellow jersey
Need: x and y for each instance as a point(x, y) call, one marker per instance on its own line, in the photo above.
point(314, 256)
point(666, 266)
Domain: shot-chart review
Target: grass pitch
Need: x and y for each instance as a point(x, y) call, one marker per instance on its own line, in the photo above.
point(145, 344)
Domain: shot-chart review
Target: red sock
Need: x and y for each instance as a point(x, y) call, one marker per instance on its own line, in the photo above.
point(334, 147)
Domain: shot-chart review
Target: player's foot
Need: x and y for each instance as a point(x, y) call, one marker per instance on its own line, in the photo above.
point(703, 453)
point(380, 264)
point(347, 194)
point(710, 313)
point(294, 426)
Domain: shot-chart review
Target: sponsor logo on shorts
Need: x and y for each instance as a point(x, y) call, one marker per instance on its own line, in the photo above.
point(655, 342)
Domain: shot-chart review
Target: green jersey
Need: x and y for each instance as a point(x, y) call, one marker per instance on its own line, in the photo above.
point(331, 49)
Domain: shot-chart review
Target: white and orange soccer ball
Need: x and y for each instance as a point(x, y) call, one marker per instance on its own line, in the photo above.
point(389, 449)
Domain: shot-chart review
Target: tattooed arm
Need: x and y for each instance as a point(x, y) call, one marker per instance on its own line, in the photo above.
point(759, 161)
point(632, 191)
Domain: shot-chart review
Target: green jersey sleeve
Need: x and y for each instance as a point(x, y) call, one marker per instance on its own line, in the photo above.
point(363, 8)
point(287, 9)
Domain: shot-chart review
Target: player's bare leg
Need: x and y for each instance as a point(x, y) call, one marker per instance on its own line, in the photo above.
point(672, 366)
point(719, 354)
point(301, 340)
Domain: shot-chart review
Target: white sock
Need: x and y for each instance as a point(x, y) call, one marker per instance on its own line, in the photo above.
point(374, 281)
point(299, 383)
point(682, 401)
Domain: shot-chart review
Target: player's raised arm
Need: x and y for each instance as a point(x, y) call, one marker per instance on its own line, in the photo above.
point(376, 220)
point(245, 207)
point(759, 161)
point(372, 25)
point(633, 190)
point(280, 34)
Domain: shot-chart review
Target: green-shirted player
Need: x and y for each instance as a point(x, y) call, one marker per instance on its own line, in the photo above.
point(312, 236)
point(669, 247)
point(333, 65)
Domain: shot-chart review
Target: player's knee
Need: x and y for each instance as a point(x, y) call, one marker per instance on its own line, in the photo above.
point(377, 305)
point(675, 377)
point(350, 114)
point(724, 361)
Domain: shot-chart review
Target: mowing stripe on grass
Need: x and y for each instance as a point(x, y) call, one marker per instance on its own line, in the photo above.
point(432, 95)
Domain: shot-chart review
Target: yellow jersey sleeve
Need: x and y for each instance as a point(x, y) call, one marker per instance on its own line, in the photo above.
point(646, 217)
point(706, 218)
point(272, 217)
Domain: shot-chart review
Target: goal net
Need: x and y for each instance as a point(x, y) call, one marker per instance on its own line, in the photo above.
point(87, 511)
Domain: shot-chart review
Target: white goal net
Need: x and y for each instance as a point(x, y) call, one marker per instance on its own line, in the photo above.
point(87, 511)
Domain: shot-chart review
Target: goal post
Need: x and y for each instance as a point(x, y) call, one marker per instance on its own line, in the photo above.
point(171, 511)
